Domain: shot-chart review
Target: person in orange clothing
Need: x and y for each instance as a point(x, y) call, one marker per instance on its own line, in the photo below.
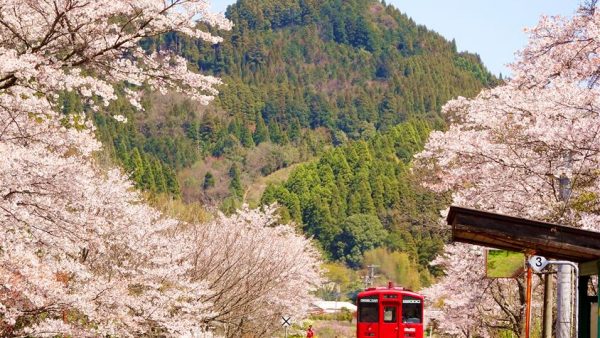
point(309, 332)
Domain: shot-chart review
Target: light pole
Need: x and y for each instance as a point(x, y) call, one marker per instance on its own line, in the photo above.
point(539, 263)
point(576, 269)
point(564, 271)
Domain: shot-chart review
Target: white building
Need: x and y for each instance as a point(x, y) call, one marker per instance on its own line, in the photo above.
point(323, 306)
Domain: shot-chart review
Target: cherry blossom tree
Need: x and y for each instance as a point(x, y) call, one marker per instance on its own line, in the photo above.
point(85, 247)
point(80, 253)
point(528, 148)
point(257, 271)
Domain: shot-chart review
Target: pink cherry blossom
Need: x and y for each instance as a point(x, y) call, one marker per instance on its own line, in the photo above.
point(507, 151)
point(81, 253)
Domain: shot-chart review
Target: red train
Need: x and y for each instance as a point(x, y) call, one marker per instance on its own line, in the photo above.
point(389, 312)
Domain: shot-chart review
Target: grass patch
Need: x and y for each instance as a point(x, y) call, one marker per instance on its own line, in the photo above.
point(255, 190)
point(504, 264)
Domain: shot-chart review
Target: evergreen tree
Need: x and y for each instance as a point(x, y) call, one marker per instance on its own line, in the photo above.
point(246, 137)
point(148, 179)
point(159, 177)
point(235, 185)
point(261, 134)
point(172, 182)
point(137, 167)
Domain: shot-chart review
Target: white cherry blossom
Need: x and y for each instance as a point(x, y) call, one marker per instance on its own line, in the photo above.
point(507, 151)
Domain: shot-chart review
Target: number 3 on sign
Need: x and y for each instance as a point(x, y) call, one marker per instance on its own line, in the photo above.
point(538, 263)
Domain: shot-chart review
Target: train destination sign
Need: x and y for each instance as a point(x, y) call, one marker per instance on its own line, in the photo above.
point(369, 300)
point(411, 301)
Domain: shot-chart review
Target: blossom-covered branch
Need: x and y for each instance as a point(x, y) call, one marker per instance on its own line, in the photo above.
point(529, 148)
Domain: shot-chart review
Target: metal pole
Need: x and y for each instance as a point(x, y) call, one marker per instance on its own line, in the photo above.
point(564, 290)
point(286, 332)
point(564, 302)
point(528, 302)
point(576, 269)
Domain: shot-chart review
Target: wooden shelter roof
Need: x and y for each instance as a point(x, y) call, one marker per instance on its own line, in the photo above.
point(523, 235)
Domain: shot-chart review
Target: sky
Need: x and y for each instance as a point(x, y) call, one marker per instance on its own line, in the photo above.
point(491, 28)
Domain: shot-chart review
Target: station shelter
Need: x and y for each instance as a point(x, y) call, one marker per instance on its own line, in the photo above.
point(552, 241)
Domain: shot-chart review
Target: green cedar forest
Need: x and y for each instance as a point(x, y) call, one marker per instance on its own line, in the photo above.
point(335, 96)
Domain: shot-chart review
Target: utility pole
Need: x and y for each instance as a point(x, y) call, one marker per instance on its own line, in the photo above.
point(370, 277)
point(563, 299)
point(564, 291)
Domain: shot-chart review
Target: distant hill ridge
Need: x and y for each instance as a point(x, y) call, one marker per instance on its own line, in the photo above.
point(344, 65)
point(299, 73)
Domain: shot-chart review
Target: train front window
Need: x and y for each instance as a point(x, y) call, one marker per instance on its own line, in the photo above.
point(389, 314)
point(368, 310)
point(412, 310)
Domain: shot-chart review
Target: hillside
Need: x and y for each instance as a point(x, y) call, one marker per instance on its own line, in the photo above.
point(303, 73)
point(304, 79)
point(349, 66)
point(362, 196)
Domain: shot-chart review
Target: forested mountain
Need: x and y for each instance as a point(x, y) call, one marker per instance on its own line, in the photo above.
point(345, 65)
point(351, 86)
point(362, 196)
point(302, 72)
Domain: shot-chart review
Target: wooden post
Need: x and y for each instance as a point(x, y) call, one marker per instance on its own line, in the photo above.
point(548, 301)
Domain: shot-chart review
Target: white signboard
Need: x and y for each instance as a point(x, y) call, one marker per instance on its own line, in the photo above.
point(286, 321)
point(538, 263)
